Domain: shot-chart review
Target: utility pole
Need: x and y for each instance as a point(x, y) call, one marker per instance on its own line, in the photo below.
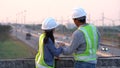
point(23, 19)
point(119, 16)
point(24, 22)
point(103, 22)
point(25, 16)
point(62, 24)
point(16, 24)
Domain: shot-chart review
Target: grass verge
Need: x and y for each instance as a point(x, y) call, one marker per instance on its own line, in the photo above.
point(14, 48)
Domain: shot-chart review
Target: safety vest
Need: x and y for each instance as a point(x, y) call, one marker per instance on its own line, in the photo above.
point(39, 60)
point(91, 38)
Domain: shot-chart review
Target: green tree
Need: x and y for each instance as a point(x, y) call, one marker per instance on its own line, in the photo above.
point(5, 31)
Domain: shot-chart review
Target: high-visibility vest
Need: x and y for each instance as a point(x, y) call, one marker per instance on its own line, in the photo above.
point(91, 38)
point(39, 60)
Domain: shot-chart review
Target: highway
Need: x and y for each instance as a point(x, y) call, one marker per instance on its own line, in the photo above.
point(33, 42)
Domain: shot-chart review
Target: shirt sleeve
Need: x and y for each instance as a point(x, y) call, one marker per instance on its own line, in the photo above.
point(55, 51)
point(77, 40)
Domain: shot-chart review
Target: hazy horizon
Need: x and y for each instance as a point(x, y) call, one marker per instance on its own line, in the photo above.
point(36, 10)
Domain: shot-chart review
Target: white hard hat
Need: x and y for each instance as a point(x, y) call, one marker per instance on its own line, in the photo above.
point(49, 23)
point(78, 12)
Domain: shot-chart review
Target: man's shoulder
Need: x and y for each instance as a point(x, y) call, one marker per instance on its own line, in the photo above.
point(77, 32)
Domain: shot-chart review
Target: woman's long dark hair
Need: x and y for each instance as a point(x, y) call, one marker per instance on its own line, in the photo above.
point(49, 34)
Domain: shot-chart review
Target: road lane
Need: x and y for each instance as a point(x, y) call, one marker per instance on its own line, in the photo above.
point(33, 42)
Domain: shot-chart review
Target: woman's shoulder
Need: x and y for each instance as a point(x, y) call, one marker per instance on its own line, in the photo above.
point(49, 41)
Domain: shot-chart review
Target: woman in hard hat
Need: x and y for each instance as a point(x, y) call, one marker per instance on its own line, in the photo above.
point(47, 49)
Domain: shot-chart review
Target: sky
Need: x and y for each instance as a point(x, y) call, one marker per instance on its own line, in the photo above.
point(34, 11)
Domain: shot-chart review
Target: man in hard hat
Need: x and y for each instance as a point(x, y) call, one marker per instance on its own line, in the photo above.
point(85, 41)
point(47, 49)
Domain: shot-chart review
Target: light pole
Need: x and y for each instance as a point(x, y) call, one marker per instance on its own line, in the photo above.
point(17, 21)
point(16, 24)
point(24, 16)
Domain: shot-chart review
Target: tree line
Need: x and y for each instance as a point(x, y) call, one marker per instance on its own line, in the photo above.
point(5, 31)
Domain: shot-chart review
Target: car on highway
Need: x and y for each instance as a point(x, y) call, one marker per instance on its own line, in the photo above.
point(28, 36)
point(104, 48)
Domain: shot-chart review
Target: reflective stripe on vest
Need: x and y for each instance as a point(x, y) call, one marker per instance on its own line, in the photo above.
point(95, 34)
point(40, 66)
point(89, 32)
point(40, 63)
point(85, 58)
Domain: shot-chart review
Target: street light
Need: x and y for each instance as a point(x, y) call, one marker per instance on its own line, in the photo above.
point(24, 16)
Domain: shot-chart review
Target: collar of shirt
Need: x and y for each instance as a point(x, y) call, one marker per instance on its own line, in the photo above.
point(83, 25)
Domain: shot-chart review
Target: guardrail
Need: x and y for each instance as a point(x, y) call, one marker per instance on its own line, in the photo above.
point(63, 62)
